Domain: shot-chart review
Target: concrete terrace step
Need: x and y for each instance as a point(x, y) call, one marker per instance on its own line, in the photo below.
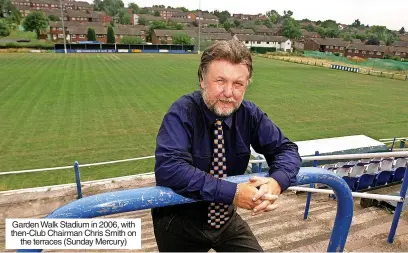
point(282, 230)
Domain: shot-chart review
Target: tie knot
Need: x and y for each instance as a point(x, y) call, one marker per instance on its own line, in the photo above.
point(218, 123)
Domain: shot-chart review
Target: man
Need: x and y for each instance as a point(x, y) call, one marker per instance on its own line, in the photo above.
point(206, 136)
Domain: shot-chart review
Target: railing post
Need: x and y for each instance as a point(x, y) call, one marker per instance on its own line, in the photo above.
point(393, 143)
point(398, 209)
point(78, 180)
point(309, 194)
point(402, 144)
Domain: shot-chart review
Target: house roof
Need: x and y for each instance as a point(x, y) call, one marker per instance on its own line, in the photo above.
point(400, 44)
point(181, 20)
point(22, 7)
point(370, 48)
point(84, 30)
point(331, 42)
point(212, 30)
point(127, 31)
point(68, 24)
point(163, 9)
point(263, 38)
point(82, 4)
point(208, 21)
point(356, 41)
point(140, 27)
point(169, 33)
point(205, 15)
point(80, 14)
point(306, 33)
point(241, 31)
point(181, 14)
point(149, 17)
point(399, 49)
point(216, 36)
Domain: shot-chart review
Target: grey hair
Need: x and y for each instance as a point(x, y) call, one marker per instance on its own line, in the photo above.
point(232, 50)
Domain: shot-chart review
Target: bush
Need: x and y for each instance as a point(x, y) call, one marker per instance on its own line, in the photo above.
point(32, 45)
point(131, 40)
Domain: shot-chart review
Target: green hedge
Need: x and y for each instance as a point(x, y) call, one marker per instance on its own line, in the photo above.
point(27, 45)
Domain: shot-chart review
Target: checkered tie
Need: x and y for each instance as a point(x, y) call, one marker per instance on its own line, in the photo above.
point(218, 212)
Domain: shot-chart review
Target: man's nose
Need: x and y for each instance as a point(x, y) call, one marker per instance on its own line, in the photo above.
point(228, 90)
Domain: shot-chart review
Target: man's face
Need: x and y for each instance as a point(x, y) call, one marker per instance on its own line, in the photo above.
point(223, 86)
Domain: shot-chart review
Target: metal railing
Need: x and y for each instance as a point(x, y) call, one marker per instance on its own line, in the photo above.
point(151, 197)
point(399, 199)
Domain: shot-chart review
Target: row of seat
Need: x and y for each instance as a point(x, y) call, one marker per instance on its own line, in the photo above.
point(367, 173)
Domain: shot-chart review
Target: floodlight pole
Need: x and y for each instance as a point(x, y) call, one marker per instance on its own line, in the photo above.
point(199, 26)
point(63, 28)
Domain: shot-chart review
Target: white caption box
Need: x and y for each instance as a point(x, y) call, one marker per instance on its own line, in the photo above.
point(73, 234)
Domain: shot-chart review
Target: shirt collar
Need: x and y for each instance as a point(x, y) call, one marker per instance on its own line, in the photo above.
point(211, 117)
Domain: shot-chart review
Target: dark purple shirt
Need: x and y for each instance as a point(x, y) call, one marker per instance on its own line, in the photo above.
point(185, 145)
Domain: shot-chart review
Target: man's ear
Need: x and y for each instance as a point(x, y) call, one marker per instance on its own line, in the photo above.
point(202, 84)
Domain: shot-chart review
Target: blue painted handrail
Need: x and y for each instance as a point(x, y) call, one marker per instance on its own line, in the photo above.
point(150, 197)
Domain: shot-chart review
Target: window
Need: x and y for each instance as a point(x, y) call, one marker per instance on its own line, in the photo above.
point(356, 51)
point(73, 18)
point(81, 36)
point(267, 42)
point(336, 48)
point(371, 53)
point(246, 42)
point(404, 54)
point(364, 52)
point(341, 48)
point(258, 42)
point(378, 53)
point(60, 36)
point(350, 51)
point(397, 53)
point(99, 36)
point(73, 36)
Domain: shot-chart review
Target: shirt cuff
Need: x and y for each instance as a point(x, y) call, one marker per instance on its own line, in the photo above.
point(226, 192)
point(281, 178)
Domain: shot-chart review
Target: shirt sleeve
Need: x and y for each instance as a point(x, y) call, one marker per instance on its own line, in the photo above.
point(174, 168)
point(280, 153)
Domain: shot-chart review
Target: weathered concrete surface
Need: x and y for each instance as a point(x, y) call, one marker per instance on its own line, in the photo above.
point(282, 230)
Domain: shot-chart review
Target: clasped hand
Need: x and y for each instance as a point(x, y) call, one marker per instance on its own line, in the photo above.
point(258, 200)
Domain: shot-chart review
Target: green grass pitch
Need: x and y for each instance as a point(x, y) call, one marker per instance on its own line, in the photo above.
point(56, 109)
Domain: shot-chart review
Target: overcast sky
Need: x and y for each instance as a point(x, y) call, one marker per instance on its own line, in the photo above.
point(392, 13)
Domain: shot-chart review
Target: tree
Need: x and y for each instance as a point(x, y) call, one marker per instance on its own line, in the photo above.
point(332, 33)
point(179, 26)
point(330, 24)
point(356, 23)
point(181, 39)
point(227, 25)
point(110, 35)
point(112, 7)
point(35, 21)
point(4, 29)
point(223, 16)
point(131, 40)
point(237, 23)
point(124, 17)
point(142, 21)
point(91, 36)
point(156, 13)
point(53, 18)
point(291, 28)
point(273, 16)
point(144, 11)
point(268, 23)
point(402, 30)
point(373, 41)
point(135, 8)
point(97, 5)
point(287, 14)
point(310, 28)
point(183, 9)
